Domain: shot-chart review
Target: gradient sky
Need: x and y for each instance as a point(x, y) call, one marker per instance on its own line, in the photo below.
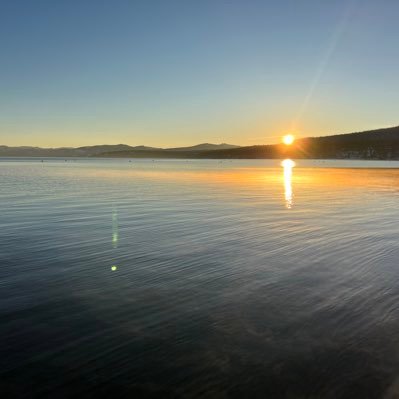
point(168, 73)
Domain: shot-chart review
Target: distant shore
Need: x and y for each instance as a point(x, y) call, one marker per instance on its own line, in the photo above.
point(381, 144)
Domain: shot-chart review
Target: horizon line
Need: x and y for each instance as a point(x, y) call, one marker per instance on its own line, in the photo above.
point(193, 145)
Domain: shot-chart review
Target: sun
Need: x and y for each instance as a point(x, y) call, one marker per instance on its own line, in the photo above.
point(288, 139)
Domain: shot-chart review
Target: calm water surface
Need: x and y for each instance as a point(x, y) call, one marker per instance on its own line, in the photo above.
point(184, 279)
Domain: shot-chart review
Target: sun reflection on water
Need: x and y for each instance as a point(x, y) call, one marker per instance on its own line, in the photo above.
point(288, 164)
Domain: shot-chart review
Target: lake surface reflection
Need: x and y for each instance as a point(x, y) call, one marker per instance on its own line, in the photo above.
point(199, 279)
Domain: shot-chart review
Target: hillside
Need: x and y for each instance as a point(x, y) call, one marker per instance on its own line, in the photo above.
point(97, 150)
point(373, 144)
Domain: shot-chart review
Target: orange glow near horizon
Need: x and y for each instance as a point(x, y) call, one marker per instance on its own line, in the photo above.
point(288, 139)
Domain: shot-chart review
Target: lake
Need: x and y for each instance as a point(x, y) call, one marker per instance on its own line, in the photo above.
point(199, 278)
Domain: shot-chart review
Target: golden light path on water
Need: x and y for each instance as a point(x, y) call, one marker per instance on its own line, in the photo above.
point(288, 164)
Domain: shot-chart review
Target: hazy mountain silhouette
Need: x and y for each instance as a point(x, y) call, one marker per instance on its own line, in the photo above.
point(87, 151)
point(205, 147)
point(90, 151)
point(372, 144)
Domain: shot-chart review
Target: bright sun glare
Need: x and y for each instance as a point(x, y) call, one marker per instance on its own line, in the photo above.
point(288, 164)
point(288, 139)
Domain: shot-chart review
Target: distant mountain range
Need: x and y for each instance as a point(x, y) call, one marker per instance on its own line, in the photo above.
point(372, 144)
point(100, 150)
point(205, 147)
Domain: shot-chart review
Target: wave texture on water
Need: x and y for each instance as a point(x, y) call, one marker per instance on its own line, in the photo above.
point(198, 279)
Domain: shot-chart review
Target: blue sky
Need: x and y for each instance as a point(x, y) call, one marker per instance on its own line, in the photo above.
point(170, 73)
